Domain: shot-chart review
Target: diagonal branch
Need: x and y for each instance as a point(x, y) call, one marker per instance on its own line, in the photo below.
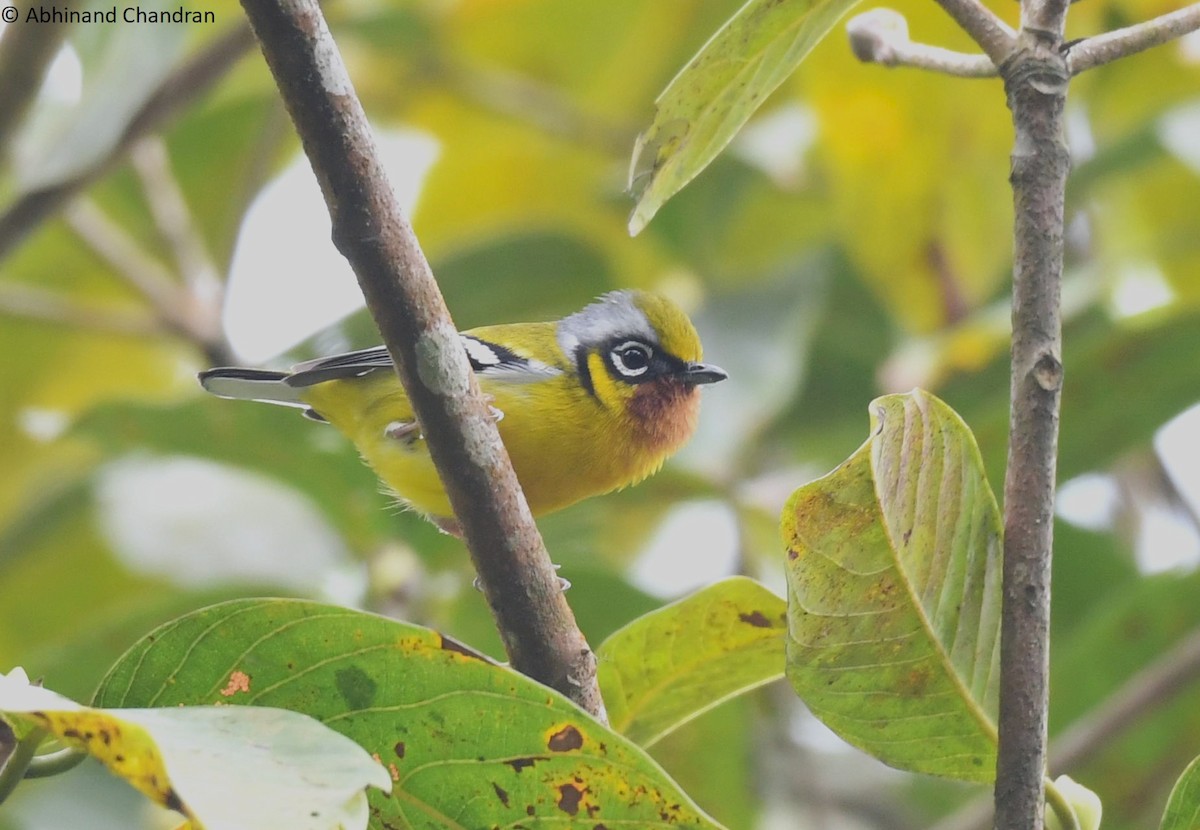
point(535, 622)
point(179, 89)
point(1143, 694)
point(26, 51)
point(881, 36)
point(995, 37)
point(32, 303)
point(1120, 43)
point(193, 315)
point(1147, 692)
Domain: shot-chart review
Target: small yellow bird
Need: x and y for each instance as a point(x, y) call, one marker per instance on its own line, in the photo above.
point(586, 405)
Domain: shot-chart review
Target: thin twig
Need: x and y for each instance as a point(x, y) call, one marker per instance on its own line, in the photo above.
point(31, 303)
point(26, 51)
point(518, 580)
point(143, 272)
point(191, 315)
point(169, 208)
point(995, 37)
point(881, 36)
point(198, 310)
point(1119, 43)
point(533, 102)
point(177, 91)
point(1035, 79)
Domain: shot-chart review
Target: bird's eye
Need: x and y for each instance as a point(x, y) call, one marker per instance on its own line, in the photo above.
point(631, 358)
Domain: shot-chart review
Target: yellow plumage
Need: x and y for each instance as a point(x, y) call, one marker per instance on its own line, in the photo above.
point(578, 412)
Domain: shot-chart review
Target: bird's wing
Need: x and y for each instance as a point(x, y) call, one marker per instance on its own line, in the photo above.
point(488, 359)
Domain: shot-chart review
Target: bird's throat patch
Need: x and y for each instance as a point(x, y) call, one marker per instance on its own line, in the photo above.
point(666, 411)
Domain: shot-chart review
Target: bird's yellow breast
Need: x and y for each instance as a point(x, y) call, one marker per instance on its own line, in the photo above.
point(565, 443)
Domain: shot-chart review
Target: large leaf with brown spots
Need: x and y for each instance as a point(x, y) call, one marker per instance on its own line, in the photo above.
point(468, 743)
point(672, 665)
point(894, 593)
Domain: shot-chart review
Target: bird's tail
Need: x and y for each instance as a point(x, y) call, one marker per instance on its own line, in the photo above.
point(252, 385)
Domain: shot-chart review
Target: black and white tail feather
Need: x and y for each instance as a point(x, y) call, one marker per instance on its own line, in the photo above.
point(287, 388)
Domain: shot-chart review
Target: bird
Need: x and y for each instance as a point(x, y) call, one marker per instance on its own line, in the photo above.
point(585, 405)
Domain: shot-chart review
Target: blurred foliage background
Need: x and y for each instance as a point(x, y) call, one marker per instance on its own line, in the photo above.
point(854, 240)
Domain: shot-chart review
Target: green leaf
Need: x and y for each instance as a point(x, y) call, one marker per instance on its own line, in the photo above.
point(468, 743)
point(894, 593)
point(702, 109)
point(1183, 807)
point(1071, 806)
point(671, 665)
point(222, 767)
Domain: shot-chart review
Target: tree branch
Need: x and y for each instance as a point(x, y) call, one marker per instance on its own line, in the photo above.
point(26, 52)
point(1120, 43)
point(201, 294)
point(535, 622)
point(1143, 694)
point(1036, 79)
point(527, 100)
point(995, 37)
point(32, 303)
point(881, 36)
point(1044, 19)
point(193, 315)
point(178, 90)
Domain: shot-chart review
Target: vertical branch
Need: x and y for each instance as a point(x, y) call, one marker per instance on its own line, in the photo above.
point(535, 622)
point(1036, 77)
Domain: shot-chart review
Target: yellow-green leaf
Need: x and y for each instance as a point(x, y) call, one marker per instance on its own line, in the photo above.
point(467, 743)
point(1183, 807)
point(702, 109)
point(221, 767)
point(673, 664)
point(894, 593)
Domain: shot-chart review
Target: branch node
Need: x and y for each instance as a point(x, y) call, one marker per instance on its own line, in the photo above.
point(1048, 372)
point(881, 36)
point(875, 34)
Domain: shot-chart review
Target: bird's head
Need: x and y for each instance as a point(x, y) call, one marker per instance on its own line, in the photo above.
point(639, 355)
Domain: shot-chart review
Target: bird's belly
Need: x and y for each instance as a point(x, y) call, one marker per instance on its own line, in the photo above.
point(558, 459)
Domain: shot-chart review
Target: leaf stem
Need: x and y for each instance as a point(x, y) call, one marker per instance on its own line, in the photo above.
point(535, 622)
point(18, 762)
point(1061, 806)
point(55, 763)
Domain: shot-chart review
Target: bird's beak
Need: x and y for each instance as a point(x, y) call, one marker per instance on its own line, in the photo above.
point(698, 373)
